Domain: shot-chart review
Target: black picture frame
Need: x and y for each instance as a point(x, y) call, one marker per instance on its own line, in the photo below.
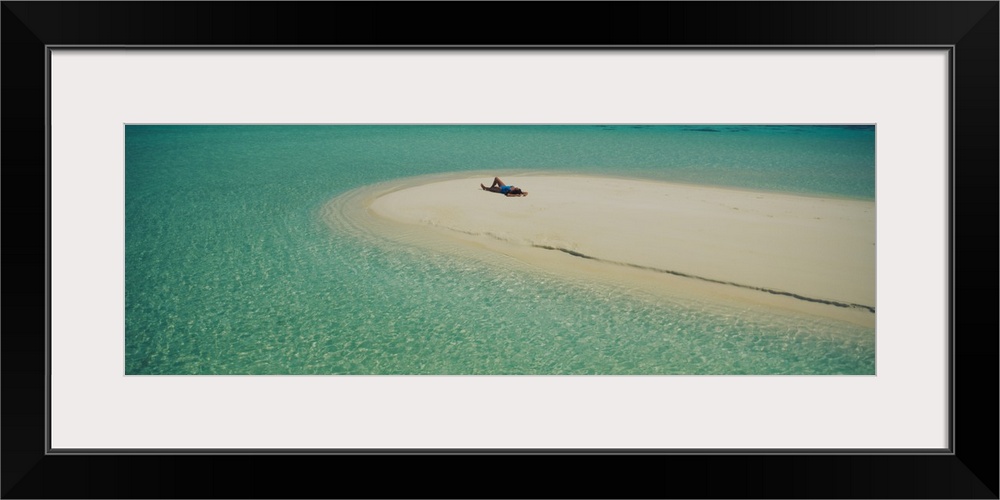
point(970, 29)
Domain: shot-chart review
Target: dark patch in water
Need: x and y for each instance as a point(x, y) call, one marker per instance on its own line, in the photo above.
point(701, 130)
point(856, 127)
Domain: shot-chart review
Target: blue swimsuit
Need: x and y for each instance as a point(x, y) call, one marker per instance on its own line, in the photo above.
point(505, 189)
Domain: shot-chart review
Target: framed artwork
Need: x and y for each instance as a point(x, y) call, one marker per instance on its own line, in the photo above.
point(728, 251)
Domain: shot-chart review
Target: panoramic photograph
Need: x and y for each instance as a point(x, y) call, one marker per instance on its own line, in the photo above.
point(596, 249)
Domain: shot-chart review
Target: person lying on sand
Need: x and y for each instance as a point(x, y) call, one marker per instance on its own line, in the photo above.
point(499, 187)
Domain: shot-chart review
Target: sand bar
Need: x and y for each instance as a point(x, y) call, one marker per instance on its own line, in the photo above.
point(814, 250)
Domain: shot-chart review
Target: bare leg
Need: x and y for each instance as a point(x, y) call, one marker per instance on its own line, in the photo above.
point(491, 188)
point(497, 182)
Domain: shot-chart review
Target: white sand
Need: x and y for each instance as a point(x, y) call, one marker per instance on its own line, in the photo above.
point(821, 249)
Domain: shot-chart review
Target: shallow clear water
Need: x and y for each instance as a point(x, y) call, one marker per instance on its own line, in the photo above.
point(230, 268)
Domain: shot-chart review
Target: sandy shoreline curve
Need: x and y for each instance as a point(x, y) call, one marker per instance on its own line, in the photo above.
point(816, 254)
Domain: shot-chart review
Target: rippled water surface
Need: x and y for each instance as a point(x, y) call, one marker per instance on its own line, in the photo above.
point(231, 269)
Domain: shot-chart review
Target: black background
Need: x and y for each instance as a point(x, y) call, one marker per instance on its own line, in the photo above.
point(971, 472)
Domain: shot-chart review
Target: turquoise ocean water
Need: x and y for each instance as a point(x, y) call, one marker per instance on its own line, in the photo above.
point(231, 269)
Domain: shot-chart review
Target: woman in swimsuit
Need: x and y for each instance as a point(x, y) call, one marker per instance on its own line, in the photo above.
point(499, 187)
